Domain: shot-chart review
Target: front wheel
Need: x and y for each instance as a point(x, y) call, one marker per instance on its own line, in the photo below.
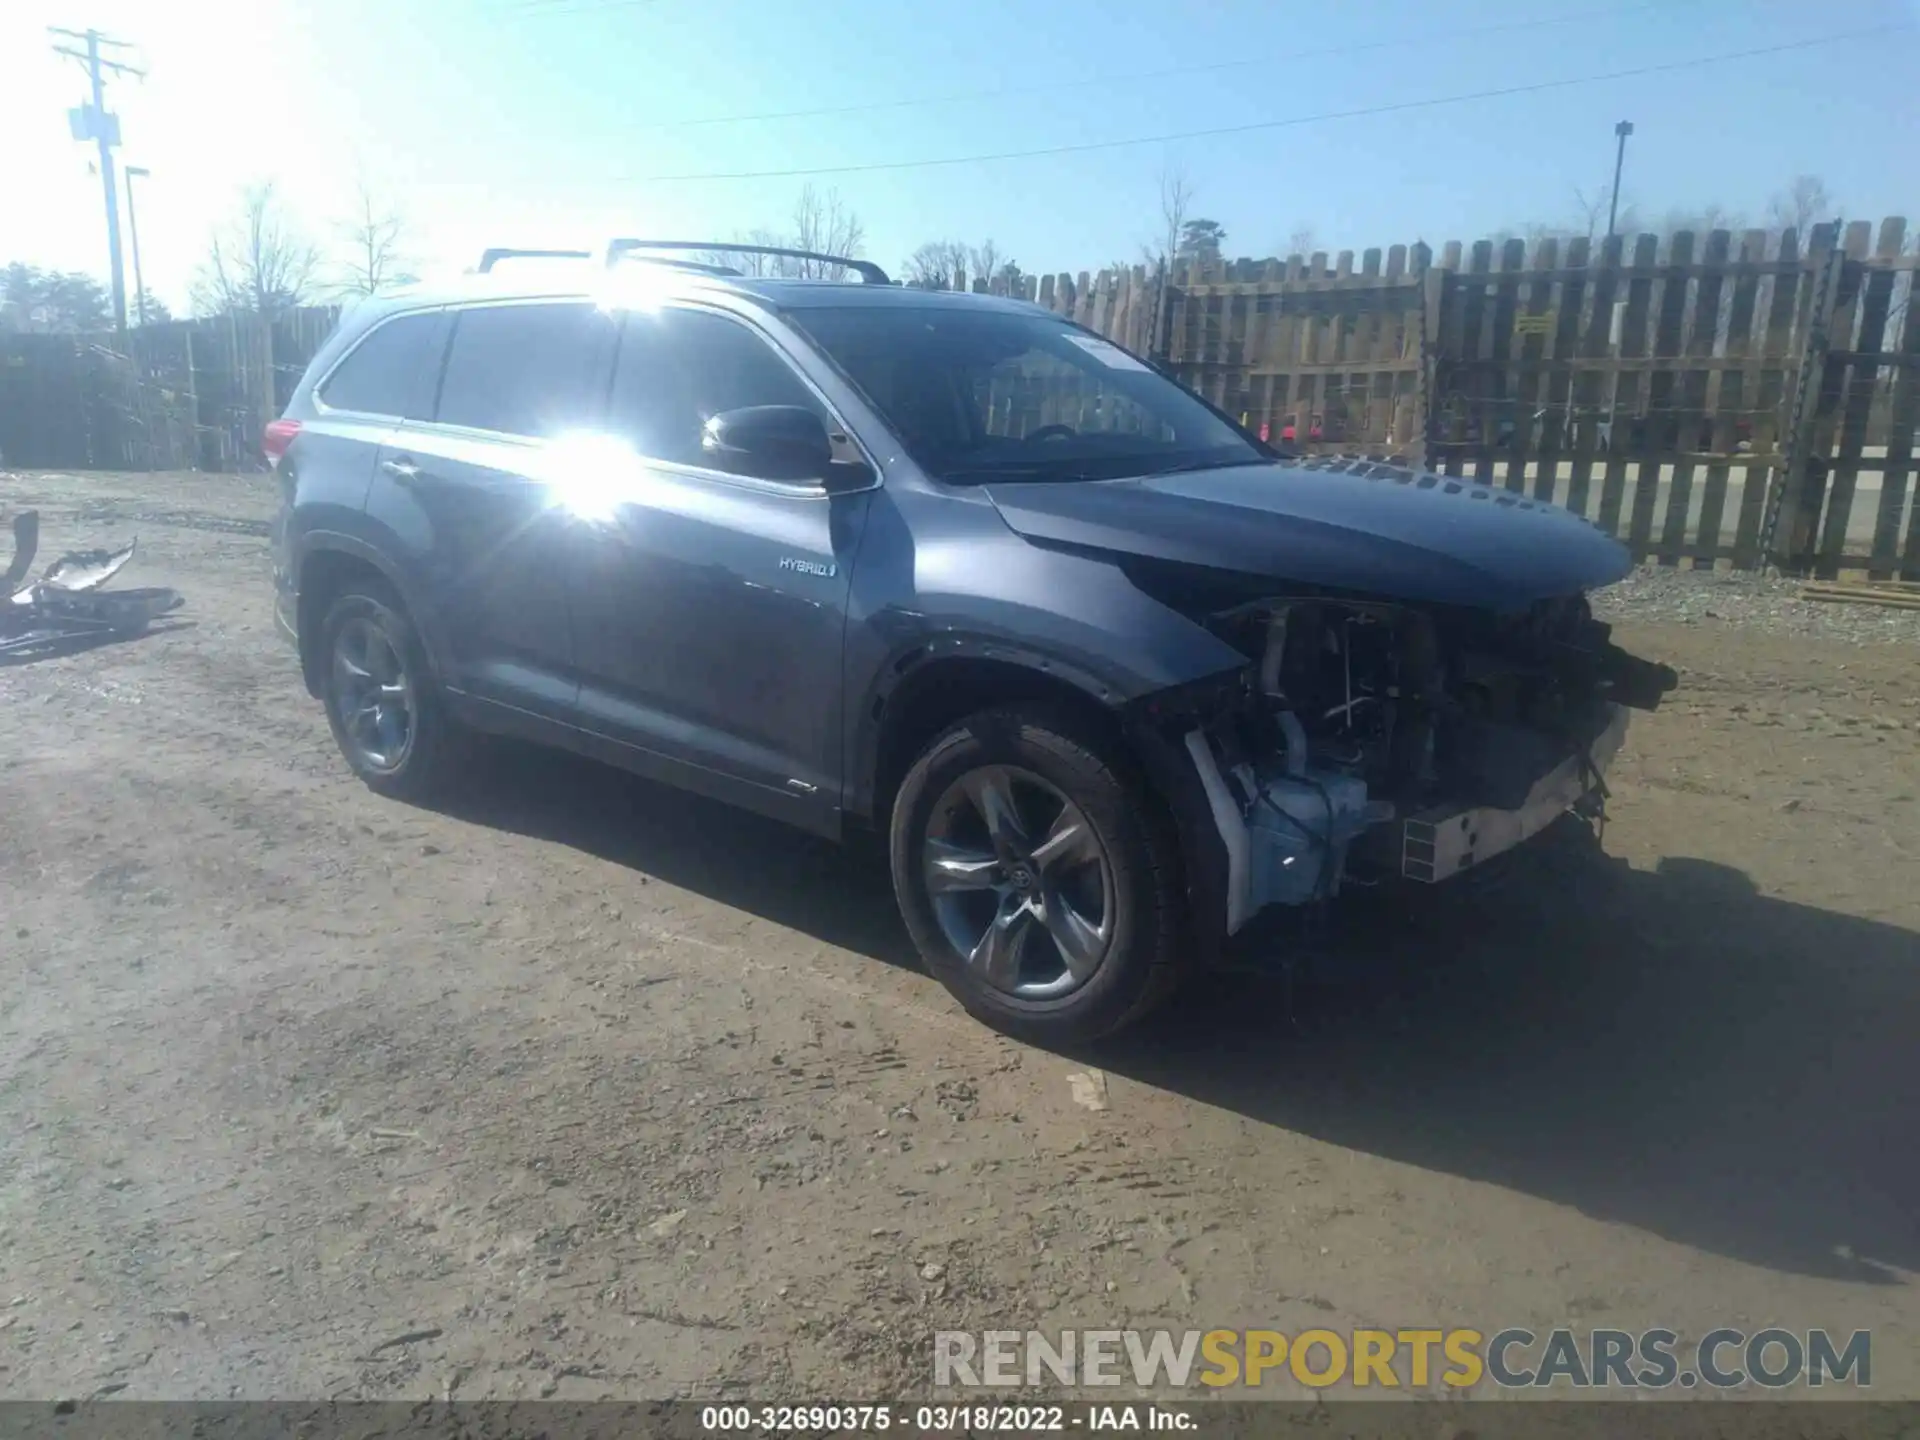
point(1038, 877)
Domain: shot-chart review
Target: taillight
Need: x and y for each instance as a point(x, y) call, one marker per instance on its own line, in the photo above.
point(279, 435)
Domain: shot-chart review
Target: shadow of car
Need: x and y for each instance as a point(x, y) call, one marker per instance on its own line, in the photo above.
point(1668, 1049)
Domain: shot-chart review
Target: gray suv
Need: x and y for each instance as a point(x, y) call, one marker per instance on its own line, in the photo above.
point(1112, 676)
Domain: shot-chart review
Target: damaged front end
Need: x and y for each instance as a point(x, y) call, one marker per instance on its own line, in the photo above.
point(1369, 739)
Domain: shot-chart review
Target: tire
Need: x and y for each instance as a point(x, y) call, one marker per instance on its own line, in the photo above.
point(367, 629)
point(953, 877)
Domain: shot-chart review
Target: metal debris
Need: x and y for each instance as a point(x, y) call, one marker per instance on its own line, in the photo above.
point(1089, 1089)
point(67, 608)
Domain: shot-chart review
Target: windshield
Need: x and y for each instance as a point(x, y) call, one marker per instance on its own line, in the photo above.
point(979, 395)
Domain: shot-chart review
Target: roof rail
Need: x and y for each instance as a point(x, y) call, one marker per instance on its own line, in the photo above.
point(865, 269)
point(493, 257)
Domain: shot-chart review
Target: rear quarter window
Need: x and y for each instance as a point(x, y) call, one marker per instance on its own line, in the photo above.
point(391, 371)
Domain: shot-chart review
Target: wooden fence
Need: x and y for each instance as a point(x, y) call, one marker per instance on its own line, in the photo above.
point(184, 394)
point(1712, 400)
point(66, 402)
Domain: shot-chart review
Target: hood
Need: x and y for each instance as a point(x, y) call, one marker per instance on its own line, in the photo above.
point(1341, 524)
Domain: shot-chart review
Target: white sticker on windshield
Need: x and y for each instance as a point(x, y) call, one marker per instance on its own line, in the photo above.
point(1109, 355)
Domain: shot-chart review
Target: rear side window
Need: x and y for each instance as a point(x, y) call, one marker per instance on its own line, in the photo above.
point(679, 368)
point(526, 369)
point(391, 371)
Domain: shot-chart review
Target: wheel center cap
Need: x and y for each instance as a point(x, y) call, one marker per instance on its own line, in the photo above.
point(1020, 877)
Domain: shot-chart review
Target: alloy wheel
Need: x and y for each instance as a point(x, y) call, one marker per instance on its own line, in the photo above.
point(1020, 882)
point(374, 694)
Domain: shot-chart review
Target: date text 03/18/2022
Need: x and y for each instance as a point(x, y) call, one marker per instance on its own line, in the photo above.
point(943, 1419)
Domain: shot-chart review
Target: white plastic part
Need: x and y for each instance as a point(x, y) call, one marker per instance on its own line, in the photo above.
point(1227, 819)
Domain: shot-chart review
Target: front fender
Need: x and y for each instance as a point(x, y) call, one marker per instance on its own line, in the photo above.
point(1076, 620)
point(942, 575)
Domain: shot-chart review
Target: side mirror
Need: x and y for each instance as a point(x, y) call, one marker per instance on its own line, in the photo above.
point(775, 442)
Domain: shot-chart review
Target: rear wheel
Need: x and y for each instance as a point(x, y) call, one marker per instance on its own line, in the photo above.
point(387, 715)
point(1037, 876)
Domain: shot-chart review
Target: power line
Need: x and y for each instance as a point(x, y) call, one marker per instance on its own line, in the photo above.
point(542, 9)
point(1533, 88)
point(1053, 87)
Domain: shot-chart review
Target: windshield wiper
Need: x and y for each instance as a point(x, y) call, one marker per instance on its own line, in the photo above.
point(986, 474)
point(1188, 466)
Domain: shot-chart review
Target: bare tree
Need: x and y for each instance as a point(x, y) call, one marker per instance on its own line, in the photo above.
point(821, 222)
point(824, 223)
point(376, 241)
point(746, 264)
point(1303, 240)
point(258, 261)
point(745, 261)
point(1176, 203)
point(934, 265)
point(1591, 206)
point(984, 260)
point(1804, 202)
point(1702, 220)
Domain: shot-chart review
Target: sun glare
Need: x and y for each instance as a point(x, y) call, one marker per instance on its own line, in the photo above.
point(636, 286)
point(591, 475)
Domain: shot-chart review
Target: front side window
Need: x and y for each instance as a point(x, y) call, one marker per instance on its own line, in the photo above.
point(391, 371)
point(679, 368)
point(525, 369)
point(980, 395)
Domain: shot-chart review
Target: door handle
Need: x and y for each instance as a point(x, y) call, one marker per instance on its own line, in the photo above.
point(401, 469)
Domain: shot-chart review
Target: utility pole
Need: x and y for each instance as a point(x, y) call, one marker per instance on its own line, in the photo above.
point(139, 172)
point(1623, 129)
point(92, 122)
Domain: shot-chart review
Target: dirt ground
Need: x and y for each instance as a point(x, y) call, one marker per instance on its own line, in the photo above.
point(585, 1088)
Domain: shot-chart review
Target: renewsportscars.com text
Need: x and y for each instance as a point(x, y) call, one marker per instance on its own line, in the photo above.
point(1460, 1359)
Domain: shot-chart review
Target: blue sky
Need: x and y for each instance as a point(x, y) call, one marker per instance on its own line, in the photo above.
point(550, 121)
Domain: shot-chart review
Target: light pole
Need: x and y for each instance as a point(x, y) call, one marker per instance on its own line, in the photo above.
point(94, 122)
point(133, 225)
point(1623, 129)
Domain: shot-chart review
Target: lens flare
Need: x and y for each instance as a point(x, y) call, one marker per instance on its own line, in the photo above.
point(591, 475)
point(637, 287)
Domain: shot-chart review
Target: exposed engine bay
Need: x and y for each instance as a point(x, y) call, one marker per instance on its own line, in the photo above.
point(1393, 739)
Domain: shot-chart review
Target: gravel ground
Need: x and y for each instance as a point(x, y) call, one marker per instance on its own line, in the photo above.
point(1659, 595)
point(579, 1088)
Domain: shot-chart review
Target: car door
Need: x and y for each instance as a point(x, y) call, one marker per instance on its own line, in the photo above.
point(471, 492)
point(710, 607)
